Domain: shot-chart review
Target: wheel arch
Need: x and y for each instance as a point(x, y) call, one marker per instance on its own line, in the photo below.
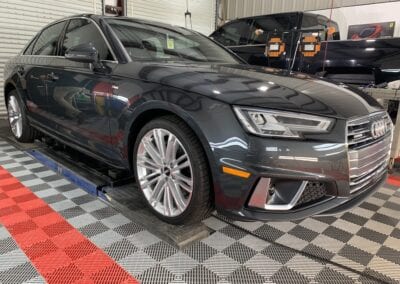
point(150, 111)
point(9, 86)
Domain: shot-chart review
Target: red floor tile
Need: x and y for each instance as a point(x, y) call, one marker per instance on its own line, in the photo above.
point(59, 252)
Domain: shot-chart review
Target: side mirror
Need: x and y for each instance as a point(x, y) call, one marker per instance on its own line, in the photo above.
point(85, 53)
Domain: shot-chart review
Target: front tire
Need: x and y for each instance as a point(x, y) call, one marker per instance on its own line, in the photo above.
point(172, 172)
point(17, 119)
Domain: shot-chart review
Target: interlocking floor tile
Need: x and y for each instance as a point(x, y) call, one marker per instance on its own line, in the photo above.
point(201, 275)
point(278, 253)
point(179, 263)
point(121, 249)
point(239, 252)
point(200, 251)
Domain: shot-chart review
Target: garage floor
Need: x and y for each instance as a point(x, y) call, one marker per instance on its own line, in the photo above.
point(62, 234)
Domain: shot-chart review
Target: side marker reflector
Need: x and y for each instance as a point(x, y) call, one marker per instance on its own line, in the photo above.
point(235, 172)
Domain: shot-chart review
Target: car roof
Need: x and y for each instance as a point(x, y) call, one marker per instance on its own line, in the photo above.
point(260, 16)
point(97, 17)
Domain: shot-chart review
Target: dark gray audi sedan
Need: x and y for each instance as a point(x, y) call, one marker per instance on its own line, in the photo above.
point(197, 127)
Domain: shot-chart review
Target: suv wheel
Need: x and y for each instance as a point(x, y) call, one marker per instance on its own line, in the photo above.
point(172, 171)
point(19, 124)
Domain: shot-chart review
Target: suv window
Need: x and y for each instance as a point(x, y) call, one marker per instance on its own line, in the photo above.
point(263, 26)
point(319, 22)
point(47, 42)
point(235, 33)
point(81, 31)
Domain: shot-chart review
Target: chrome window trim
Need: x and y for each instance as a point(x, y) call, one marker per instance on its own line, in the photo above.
point(63, 57)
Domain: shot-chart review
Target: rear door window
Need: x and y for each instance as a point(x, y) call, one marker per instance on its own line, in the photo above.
point(232, 34)
point(47, 42)
point(81, 31)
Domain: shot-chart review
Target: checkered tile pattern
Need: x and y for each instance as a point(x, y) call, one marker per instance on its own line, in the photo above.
point(367, 240)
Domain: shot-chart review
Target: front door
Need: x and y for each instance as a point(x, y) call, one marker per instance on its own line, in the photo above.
point(80, 95)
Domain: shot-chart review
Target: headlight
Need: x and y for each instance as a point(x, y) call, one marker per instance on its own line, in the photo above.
point(281, 123)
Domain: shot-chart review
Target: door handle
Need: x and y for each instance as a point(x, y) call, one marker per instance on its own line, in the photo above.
point(52, 77)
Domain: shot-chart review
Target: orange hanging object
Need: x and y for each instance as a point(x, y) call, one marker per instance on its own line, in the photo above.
point(331, 30)
point(275, 47)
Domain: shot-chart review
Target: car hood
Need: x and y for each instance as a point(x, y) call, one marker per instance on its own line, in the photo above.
point(260, 87)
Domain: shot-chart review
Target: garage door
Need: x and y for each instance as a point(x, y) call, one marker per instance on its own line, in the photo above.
point(20, 20)
point(173, 12)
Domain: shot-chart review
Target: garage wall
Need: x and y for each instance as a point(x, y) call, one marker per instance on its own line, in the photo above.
point(172, 12)
point(243, 8)
point(366, 14)
point(20, 20)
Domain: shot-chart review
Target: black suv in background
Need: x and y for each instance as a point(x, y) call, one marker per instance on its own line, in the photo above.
point(359, 62)
point(196, 126)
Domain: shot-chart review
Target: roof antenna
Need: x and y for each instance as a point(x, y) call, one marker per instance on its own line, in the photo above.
point(188, 14)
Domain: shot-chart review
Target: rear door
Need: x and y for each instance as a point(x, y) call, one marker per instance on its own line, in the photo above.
point(80, 94)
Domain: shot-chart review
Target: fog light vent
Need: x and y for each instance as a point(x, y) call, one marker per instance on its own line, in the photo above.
point(313, 191)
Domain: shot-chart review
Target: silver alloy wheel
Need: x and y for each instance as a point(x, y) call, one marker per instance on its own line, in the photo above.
point(165, 172)
point(15, 116)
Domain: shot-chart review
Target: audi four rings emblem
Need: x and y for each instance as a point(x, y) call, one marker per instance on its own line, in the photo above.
point(378, 128)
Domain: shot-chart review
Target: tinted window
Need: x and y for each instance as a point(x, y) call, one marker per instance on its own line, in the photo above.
point(233, 33)
point(81, 31)
point(46, 43)
point(319, 22)
point(262, 27)
point(153, 42)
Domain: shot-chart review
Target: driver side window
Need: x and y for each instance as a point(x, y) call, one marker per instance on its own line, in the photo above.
point(81, 31)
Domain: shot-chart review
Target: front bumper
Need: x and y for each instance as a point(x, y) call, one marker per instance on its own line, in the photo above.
point(297, 162)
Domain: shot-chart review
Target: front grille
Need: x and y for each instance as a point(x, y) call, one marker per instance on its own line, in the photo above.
point(359, 130)
point(313, 192)
point(368, 156)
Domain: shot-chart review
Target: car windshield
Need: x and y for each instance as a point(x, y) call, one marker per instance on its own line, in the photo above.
point(144, 41)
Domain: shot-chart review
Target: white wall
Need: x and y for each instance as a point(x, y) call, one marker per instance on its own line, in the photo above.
point(173, 12)
point(375, 13)
point(243, 8)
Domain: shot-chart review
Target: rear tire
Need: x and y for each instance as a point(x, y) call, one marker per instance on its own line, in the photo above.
point(172, 172)
point(17, 119)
